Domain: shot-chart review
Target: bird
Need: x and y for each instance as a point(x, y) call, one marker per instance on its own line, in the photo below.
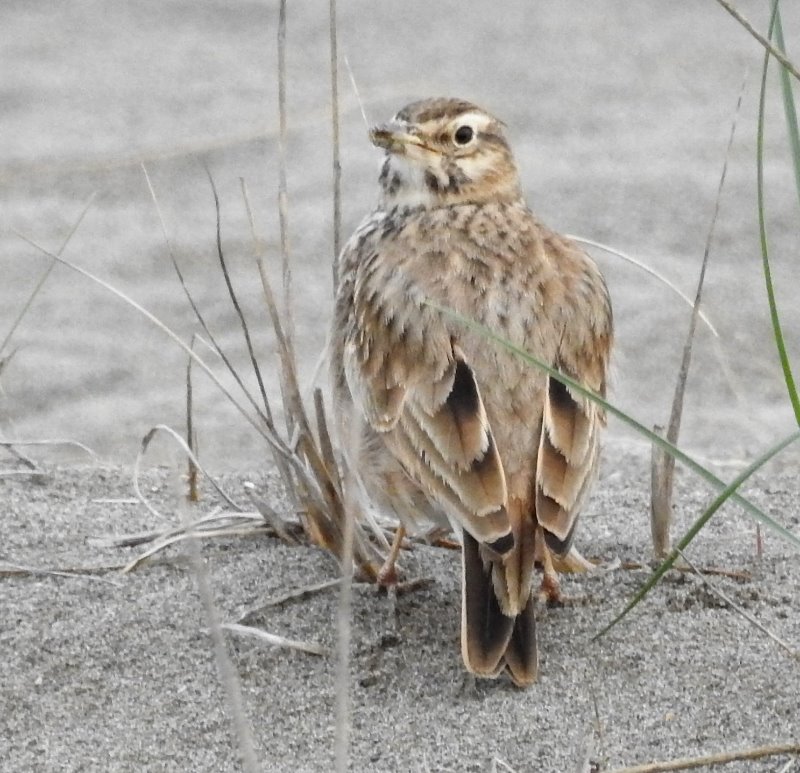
point(441, 424)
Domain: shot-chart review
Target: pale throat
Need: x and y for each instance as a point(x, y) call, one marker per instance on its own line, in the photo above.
point(405, 182)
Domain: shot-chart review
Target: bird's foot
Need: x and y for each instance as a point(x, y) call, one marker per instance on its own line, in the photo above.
point(387, 575)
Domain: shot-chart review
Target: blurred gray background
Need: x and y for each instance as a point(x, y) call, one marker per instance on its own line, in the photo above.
point(619, 114)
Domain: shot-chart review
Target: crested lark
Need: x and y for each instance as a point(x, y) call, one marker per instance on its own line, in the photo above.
point(453, 426)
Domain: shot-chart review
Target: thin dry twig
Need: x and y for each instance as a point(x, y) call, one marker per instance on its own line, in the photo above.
point(312, 648)
point(687, 763)
point(743, 612)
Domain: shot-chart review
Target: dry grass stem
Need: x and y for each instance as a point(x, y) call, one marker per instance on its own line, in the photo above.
point(11, 444)
point(283, 195)
point(29, 473)
point(344, 632)
point(235, 301)
point(311, 648)
point(648, 270)
point(295, 595)
point(325, 444)
point(740, 575)
point(337, 166)
point(779, 55)
point(270, 516)
point(206, 523)
point(228, 675)
point(259, 428)
point(279, 458)
point(264, 414)
point(355, 91)
point(13, 569)
point(20, 457)
point(662, 467)
point(318, 483)
point(498, 765)
point(245, 531)
point(45, 274)
point(663, 464)
point(743, 612)
point(188, 451)
point(688, 763)
point(191, 435)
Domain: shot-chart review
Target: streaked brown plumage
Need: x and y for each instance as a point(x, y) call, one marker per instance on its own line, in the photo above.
point(455, 427)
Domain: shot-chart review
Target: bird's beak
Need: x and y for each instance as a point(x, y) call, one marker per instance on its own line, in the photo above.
point(393, 137)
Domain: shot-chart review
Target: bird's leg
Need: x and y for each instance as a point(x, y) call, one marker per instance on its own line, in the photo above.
point(388, 573)
point(550, 590)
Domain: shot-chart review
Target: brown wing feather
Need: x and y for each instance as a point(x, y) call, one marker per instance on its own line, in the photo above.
point(422, 395)
point(566, 463)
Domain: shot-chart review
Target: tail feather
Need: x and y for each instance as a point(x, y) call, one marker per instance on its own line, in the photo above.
point(485, 630)
point(522, 653)
point(490, 639)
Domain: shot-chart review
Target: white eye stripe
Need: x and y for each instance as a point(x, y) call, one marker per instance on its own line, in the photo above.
point(477, 121)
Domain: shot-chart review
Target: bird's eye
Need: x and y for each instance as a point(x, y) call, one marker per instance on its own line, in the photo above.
point(463, 135)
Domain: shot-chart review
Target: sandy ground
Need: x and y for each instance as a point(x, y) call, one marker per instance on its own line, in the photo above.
point(118, 673)
point(619, 114)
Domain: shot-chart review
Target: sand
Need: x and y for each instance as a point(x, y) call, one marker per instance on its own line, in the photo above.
point(117, 672)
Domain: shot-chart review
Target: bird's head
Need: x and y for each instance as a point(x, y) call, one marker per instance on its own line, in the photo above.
point(445, 151)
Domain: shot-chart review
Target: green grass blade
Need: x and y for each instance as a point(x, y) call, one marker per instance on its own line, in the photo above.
point(762, 229)
point(788, 104)
point(753, 511)
point(723, 496)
